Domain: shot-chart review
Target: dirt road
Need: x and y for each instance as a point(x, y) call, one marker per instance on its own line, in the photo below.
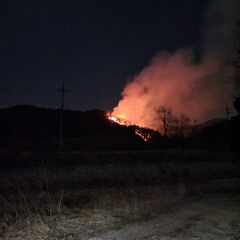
point(211, 217)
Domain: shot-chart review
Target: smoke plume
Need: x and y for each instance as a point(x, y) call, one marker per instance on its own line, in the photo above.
point(199, 89)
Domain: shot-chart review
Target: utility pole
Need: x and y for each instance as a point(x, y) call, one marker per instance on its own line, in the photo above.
point(228, 112)
point(62, 90)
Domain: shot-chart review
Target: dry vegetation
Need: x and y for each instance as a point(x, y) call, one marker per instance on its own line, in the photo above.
point(86, 213)
point(85, 201)
point(63, 215)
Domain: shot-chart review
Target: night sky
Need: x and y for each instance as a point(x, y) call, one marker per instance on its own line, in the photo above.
point(94, 46)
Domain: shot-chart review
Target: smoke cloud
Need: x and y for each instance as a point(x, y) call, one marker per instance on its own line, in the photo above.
point(199, 89)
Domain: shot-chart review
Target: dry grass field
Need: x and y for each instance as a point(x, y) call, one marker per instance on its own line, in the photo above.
point(139, 200)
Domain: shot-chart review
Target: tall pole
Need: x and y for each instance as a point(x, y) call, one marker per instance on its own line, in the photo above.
point(60, 145)
point(228, 112)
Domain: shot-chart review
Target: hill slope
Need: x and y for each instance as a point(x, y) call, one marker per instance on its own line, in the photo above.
point(30, 127)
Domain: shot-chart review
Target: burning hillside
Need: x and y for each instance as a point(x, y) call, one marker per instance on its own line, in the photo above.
point(119, 119)
point(144, 133)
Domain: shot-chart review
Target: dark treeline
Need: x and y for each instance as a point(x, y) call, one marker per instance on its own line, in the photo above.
point(25, 129)
point(33, 128)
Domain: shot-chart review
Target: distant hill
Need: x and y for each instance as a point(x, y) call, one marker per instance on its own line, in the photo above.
point(27, 127)
point(30, 127)
point(212, 122)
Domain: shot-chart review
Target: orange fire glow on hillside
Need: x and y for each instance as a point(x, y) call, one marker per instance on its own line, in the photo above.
point(121, 121)
point(144, 136)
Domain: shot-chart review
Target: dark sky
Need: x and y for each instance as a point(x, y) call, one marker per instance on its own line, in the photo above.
point(93, 45)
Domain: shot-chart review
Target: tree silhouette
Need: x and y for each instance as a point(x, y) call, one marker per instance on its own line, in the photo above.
point(164, 114)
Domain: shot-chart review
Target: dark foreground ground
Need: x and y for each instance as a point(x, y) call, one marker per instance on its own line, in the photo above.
point(195, 197)
point(214, 216)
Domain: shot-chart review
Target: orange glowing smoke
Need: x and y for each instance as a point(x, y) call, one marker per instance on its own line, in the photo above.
point(199, 88)
point(176, 82)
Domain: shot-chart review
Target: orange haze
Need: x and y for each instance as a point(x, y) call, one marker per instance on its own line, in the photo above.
point(176, 82)
point(199, 89)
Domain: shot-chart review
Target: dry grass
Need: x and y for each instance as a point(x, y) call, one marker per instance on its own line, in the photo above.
point(64, 215)
point(41, 204)
point(81, 214)
point(27, 214)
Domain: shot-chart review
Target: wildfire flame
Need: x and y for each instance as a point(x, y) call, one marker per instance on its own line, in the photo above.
point(122, 121)
point(144, 136)
point(119, 119)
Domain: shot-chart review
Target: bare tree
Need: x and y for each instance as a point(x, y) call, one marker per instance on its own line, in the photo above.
point(164, 114)
point(184, 125)
point(183, 128)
